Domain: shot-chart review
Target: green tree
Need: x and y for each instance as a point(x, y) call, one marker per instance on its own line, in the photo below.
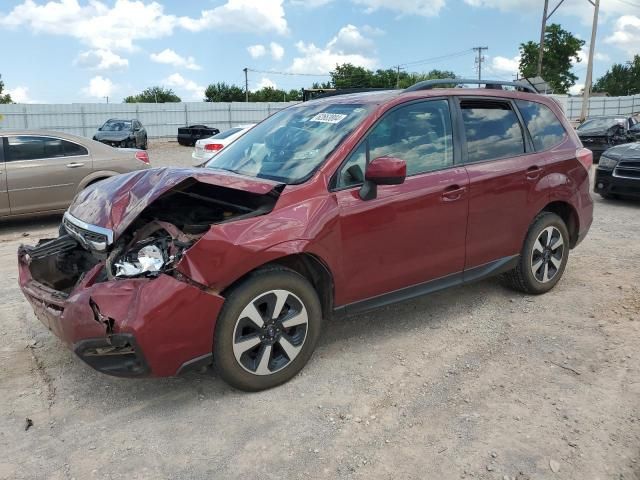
point(6, 98)
point(223, 92)
point(621, 79)
point(154, 95)
point(560, 49)
point(350, 76)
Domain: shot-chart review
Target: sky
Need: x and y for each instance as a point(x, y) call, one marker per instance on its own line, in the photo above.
point(66, 51)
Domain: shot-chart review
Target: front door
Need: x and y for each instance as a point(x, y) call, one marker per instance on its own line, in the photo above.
point(409, 233)
point(43, 173)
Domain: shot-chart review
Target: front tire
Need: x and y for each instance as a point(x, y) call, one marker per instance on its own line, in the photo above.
point(544, 256)
point(267, 330)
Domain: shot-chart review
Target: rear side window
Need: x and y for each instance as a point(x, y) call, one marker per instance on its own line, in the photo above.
point(227, 133)
point(33, 148)
point(544, 127)
point(492, 130)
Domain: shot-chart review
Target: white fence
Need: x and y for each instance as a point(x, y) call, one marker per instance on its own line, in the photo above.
point(160, 119)
point(163, 119)
point(600, 105)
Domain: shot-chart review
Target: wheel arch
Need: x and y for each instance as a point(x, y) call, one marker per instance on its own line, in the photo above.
point(569, 216)
point(310, 266)
point(94, 177)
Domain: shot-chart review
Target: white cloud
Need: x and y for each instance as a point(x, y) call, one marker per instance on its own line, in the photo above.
point(626, 34)
point(170, 57)
point(20, 94)
point(310, 3)
point(576, 8)
point(505, 65)
point(99, 87)
point(241, 15)
point(348, 46)
point(424, 8)
point(350, 40)
point(101, 59)
point(265, 83)
point(256, 51)
point(118, 27)
point(583, 55)
point(180, 83)
point(576, 89)
point(277, 51)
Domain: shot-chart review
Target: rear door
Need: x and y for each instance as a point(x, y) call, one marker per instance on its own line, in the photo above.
point(4, 195)
point(43, 172)
point(504, 173)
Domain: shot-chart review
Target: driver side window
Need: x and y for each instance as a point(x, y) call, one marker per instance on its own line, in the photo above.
point(418, 133)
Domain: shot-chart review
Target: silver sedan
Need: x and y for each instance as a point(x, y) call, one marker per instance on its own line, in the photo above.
point(41, 171)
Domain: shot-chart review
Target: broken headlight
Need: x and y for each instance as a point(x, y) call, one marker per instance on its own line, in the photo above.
point(146, 257)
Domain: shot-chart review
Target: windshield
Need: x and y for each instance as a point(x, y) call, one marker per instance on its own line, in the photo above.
point(226, 133)
point(116, 126)
point(603, 123)
point(290, 145)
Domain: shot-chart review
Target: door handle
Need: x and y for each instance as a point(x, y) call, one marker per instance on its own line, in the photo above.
point(75, 164)
point(453, 193)
point(534, 172)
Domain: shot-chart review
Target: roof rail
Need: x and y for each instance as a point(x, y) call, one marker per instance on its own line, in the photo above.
point(491, 84)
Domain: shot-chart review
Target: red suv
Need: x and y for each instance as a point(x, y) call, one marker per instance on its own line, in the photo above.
point(329, 207)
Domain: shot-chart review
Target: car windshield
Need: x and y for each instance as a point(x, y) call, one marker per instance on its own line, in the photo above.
point(116, 126)
point(290, 145)
point(227, 133)
point(604, 123)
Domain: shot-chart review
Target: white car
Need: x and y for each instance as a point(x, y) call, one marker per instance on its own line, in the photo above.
point(207, 148)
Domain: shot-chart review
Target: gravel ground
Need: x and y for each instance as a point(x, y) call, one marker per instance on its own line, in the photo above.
point(475, 382)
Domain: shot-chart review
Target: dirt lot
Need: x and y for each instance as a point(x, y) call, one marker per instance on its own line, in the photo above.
point(476, 382)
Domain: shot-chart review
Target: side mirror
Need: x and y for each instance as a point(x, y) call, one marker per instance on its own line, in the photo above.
point(382, 171)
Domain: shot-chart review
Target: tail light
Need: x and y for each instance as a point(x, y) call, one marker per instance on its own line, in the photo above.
point(585, 156)
point(213, 147)
point(143, 157)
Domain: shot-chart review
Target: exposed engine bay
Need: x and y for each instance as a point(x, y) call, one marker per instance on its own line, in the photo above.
point(152, 244)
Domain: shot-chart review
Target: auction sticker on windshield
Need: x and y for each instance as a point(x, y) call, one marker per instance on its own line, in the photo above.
point(328, 117)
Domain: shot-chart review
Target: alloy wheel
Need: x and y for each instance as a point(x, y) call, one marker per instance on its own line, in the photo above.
point(270, 332)
point(547, 254)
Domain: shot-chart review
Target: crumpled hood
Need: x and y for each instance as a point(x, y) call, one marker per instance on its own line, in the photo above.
point(116, 202)
point(112, 136)
point(627, 151)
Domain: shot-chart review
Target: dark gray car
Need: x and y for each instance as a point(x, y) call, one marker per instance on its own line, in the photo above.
point(122, 133)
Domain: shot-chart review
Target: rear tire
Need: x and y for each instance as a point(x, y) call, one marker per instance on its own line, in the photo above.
point(254, 351)
point(544, 256)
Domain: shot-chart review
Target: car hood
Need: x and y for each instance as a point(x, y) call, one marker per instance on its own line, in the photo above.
point(628, 151)
point(588, 132)
point(116, 202)
point(112, 136)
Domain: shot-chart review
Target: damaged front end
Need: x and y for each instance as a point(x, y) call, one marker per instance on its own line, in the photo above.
point(116, 296)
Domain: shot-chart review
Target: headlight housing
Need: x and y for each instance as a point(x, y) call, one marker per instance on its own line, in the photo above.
point(607, 163)
point(147, 257)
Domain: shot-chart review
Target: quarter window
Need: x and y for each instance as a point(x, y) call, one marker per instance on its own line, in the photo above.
point(492, 130)
point(544, 127)
point(73, 149)
point(418, 133)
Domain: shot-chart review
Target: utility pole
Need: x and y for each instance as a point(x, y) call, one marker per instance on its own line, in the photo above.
point(479, 61)
point(107, 98)
point(542, 32)
point(592, 46)
point(543, 29)
point(246, 84)
point(398, 76)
